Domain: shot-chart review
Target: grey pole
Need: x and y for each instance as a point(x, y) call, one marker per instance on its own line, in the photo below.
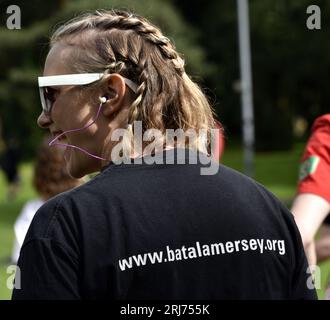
point(246, 86)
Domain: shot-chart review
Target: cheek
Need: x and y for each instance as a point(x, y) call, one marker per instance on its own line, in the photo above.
point(56, 115)
point(67, 111)
point(75, 110)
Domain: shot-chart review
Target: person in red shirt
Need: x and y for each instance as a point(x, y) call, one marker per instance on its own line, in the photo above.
point(219, 142)
point(311, 205)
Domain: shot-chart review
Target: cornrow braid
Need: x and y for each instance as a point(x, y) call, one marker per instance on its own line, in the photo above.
point(105, 20)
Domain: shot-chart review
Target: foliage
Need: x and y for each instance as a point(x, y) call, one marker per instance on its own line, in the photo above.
point(290, 63)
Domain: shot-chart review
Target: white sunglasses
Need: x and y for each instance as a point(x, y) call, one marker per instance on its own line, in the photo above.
point(47, 94)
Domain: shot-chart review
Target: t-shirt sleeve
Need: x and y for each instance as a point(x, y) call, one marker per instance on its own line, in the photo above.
point(47, 271)
point(48, 266)
point(314, 174)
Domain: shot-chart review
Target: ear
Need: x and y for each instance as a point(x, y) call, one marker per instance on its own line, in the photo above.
point(114, 90)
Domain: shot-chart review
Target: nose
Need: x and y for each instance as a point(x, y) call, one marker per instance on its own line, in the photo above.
point(44, 121)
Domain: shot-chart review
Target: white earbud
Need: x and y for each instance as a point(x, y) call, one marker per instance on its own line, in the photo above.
point(103, 100)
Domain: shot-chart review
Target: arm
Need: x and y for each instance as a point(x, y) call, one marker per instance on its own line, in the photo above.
point(312, 204)
point(309, 210)
point(302, 280)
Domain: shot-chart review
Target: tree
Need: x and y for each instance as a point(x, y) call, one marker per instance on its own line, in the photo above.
point(290, 63)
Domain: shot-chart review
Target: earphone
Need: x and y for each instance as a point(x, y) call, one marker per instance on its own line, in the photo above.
point(103, 99)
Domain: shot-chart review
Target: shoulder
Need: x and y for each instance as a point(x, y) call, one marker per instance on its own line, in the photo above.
point(60, 216)
point(319, 142)
point(45, 217)
point(322, 123)
point(55, 224)
point(255, 194)
point(238, 180)
point(252, 193)
point(314, 172)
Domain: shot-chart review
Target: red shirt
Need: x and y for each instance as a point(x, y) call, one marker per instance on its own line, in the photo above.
point(314, 174)
point(219, 144)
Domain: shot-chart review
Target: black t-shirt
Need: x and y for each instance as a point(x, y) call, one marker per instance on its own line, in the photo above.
point(164, 231)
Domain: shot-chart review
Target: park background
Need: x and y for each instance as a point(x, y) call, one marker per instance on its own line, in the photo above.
point(290, 71)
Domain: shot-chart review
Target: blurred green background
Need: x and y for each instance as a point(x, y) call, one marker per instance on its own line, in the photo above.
point(290, 67)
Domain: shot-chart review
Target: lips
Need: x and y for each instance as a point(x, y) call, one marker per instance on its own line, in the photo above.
point(60, 136)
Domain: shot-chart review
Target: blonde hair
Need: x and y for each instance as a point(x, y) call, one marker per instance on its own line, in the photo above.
point(124, 43)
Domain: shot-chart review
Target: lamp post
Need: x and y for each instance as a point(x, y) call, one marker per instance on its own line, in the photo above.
point(246, 87)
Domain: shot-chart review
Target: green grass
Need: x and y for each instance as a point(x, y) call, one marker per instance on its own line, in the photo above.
point(276, 170)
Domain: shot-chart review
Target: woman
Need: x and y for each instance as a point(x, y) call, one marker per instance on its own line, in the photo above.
point(150, 225)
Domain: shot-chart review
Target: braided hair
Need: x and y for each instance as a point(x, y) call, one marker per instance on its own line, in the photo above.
point(121, 42)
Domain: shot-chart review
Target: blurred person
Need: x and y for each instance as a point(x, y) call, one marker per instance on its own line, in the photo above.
point(152, 227)
point(311, 205)
point(9, 164)
point(219, 142)
point(50, 178)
